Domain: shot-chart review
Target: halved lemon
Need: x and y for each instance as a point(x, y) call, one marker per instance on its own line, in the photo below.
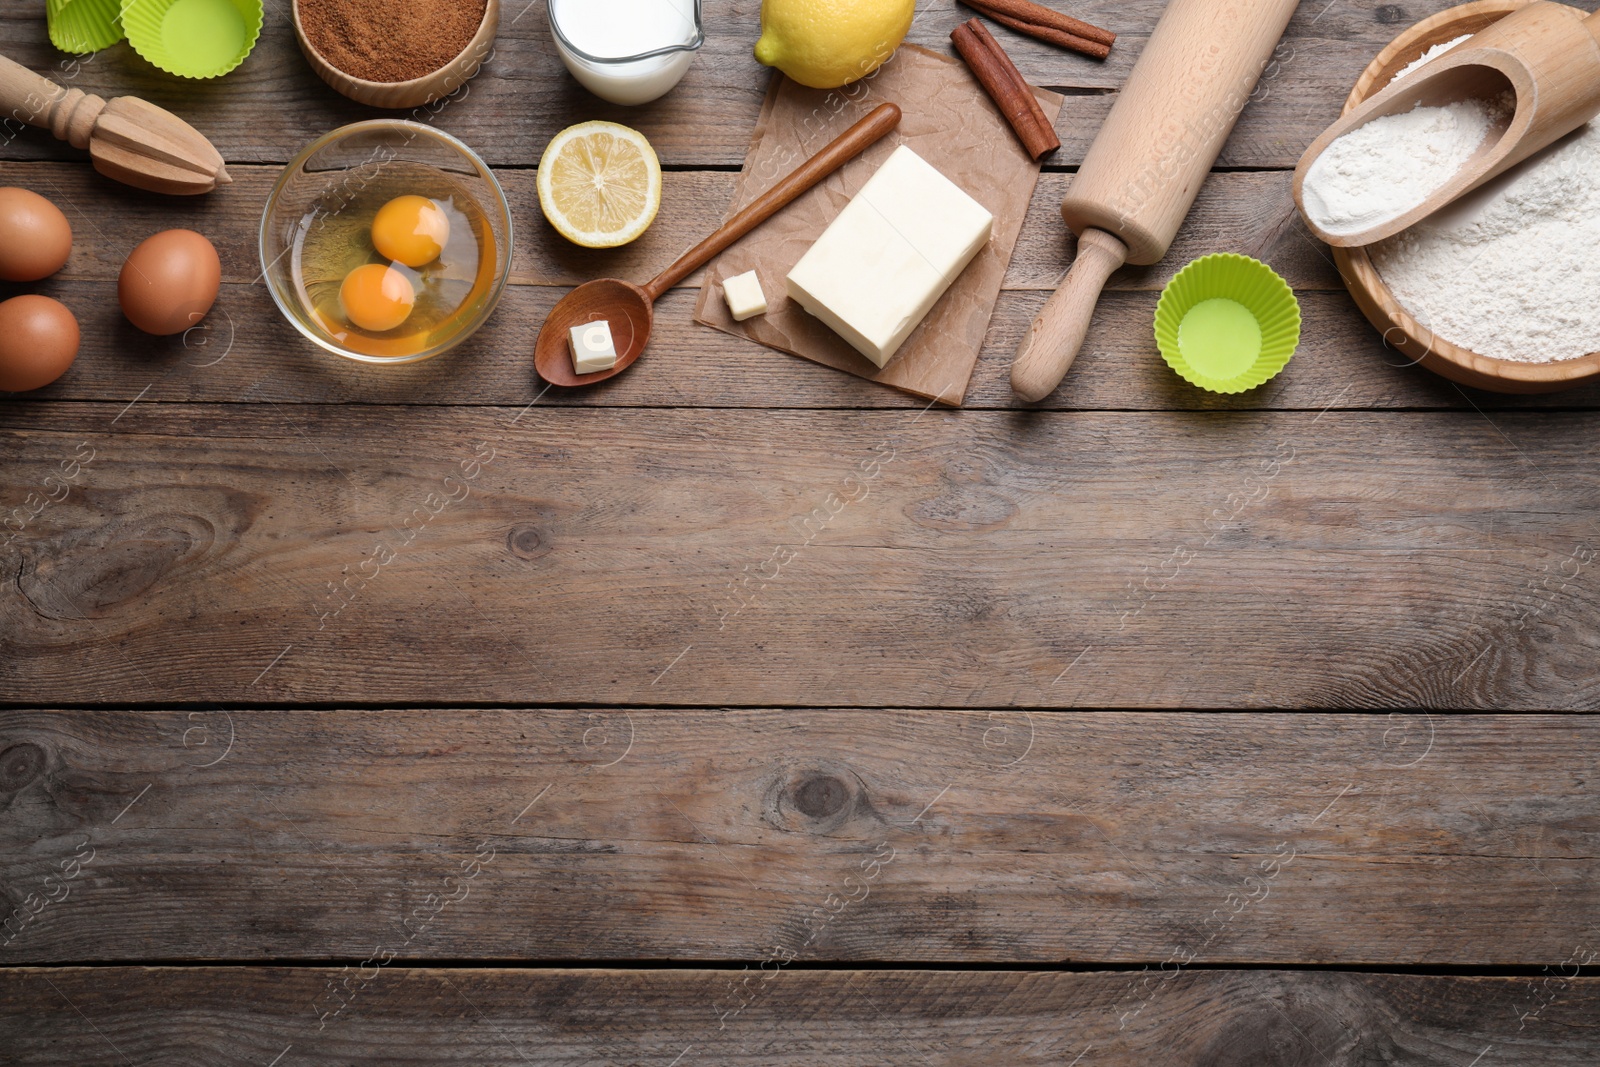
point(600, 184)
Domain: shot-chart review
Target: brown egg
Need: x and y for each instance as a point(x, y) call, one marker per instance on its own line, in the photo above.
point(170, 282)
point(38, 342)
point(35, 237)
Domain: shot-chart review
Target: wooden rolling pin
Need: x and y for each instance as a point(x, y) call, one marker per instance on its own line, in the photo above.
point(1146, 166)
point(129, 140)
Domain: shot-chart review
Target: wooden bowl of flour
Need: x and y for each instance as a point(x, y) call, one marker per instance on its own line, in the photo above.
point(1399, 327)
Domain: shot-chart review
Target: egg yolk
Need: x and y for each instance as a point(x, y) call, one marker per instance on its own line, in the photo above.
point(377, 298)
point(411, 229)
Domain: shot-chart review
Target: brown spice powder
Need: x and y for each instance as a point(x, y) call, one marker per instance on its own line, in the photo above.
point(390, 40)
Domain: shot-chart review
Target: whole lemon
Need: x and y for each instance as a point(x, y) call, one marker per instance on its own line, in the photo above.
point(829, 43)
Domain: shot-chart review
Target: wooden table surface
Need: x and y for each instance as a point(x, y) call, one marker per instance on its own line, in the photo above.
point(676, 740)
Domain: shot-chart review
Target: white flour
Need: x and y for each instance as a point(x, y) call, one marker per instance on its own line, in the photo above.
point(1390, 165)
point(1429, 56)
point(1511, 271)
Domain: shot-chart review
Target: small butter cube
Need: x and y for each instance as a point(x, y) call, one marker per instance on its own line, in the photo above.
point(883, 264)
point(592, 348)
point(744, 296)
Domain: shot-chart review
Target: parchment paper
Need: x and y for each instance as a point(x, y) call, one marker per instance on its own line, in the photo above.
point(950, 122)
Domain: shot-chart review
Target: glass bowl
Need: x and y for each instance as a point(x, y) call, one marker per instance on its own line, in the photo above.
point(333, 182)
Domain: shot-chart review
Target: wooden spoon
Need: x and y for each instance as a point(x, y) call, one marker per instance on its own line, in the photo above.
point(1546, 54)
point(129, 140)
point(630, 309)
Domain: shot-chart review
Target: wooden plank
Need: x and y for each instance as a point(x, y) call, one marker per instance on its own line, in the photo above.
point(1283, 558)
point(247, 352)
point(272, 105)
point(1246, 212)
point(689, 365)
point(995, 837)
point(507, 1018)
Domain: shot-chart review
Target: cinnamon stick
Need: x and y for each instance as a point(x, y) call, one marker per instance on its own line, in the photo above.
point(1038, 15)
point(1051, 35)
point(1006, 86)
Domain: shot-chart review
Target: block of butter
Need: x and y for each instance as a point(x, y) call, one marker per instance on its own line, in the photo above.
point(877, 271)
point(592, 348)
point(744, 296)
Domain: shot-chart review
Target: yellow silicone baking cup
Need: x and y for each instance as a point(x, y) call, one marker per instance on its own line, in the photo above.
point(1227, 323)
point(193, 38)
point(80, 26)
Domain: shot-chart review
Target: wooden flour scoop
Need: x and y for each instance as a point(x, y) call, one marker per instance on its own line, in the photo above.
point(1546, 55)
point(129, 140)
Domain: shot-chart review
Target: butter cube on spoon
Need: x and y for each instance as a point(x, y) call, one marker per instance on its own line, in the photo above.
point(593, 350)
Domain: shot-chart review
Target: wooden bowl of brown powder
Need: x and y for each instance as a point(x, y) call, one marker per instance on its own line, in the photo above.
point(396, 53)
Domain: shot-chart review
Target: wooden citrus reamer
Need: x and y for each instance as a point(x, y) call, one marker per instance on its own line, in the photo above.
point(1146, 166)
point(129, 140)
point(1546, 54)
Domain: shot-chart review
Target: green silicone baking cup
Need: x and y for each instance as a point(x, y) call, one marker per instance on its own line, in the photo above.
point(193, 38)
point(80, 26)
point(1227, 323)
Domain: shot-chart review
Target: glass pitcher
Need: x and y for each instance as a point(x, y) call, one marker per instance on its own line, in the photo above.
point(627, 51)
